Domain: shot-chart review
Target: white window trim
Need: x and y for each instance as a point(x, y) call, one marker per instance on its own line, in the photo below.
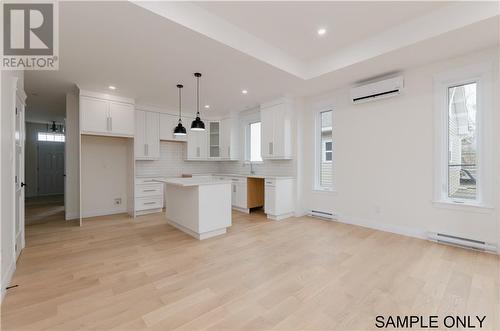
point(481, 75)
point(318, 151)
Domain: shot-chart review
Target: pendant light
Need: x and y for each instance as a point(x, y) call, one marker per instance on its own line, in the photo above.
point(197, 124)
point(180, 130)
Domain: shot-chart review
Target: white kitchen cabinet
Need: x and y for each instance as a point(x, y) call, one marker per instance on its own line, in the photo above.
point(278, 198)
point(149, 196)
point(121, 116)
point(276, 131)
point(229, 139)
point(167, 125)
point(239, 194)
point(106, 117)
point(147, 137)
point(214, 139)
point(197, 145)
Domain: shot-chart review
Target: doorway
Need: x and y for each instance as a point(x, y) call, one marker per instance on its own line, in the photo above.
point(45, 156)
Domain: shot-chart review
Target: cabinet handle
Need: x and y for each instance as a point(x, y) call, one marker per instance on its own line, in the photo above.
point(107, 124)
point(229, 151)
point(147, 149)
point(197, 151)
point(270, 148)
point(148, 190)
point(111, 124)
point(149, 203)
point(234, 188)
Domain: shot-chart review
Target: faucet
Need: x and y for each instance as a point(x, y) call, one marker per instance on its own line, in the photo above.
point(252, 172)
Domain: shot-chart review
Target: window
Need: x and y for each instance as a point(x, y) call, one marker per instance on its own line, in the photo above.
point(51, 137)
point(462, 141)
point(324, 143)
point(463, 137)
point(253, 140)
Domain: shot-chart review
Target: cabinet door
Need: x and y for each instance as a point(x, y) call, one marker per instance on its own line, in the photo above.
point(214, 139)
point(193, 151)
point(167, 126)
point(140, 134)
point(267, 133)
point(279, 131)
point(153, 135)
point(94, 115)
point(203, 144)
point(122, 118)
point(241, 195)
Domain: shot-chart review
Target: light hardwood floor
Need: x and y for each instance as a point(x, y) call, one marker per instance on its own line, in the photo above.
point(115, 273)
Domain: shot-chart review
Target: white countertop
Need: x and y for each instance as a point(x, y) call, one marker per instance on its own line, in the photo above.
point(247, 176)
point(185, 182)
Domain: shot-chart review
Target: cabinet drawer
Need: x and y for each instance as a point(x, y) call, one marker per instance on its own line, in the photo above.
point(148, 190)
point(145, 180)
point(148, 203)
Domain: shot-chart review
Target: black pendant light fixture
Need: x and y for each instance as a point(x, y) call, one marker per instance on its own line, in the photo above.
point(197, 124)
point(54, 126)
point(180, 130)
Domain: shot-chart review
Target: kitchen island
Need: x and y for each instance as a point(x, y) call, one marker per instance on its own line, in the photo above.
point(200, 207)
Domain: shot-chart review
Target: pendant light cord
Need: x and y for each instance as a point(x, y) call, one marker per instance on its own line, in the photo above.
point(198, 96)
point(180, 105)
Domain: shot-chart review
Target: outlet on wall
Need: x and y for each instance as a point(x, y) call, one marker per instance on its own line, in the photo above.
point(118, 201)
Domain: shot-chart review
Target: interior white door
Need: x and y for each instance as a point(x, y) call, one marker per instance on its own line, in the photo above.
point(50, 168)
point(19, 177)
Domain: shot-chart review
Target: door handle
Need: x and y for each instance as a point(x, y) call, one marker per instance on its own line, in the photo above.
point(23, 184)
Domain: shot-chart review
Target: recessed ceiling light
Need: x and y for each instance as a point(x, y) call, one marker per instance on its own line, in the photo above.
point(207, 106)
point(244, 91)
point(321, 31)
point(111, 87)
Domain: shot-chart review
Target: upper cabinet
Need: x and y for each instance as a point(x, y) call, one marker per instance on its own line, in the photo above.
point(214, 139)
point(229, 139)
point(276, 130)
point(147, 135)
point(167, 124)
point(101, 116)
point(197, 145)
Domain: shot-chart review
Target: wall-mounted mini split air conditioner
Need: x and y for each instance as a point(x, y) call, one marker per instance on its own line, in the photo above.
point(377, 90)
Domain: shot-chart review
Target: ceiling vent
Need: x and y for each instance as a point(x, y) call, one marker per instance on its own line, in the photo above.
point(377, 90)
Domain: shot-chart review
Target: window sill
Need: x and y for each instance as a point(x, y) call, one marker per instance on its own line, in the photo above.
point(465, 206)
point(253, 162)
point(324, 190)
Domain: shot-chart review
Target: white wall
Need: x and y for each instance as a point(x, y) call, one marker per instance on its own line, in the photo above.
point(384, 159)
point(7, 173)
point(71, 162)
point(105, 174)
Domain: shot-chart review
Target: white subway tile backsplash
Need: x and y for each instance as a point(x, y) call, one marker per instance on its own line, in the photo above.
point(172, 163)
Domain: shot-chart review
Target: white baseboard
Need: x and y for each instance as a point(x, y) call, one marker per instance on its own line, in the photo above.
point(7, 278)
point(71, 216)
point(402, 230)
point(96, 213)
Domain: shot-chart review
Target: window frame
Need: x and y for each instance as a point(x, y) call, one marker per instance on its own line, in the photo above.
point(481, 75)
point(248, 142)
point(54, 134)
point(318, 151)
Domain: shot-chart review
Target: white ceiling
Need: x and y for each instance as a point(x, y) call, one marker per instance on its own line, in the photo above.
point(145, 54)
point(292, 26)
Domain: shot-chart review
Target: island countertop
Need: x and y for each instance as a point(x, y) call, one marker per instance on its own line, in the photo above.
point(185, 182)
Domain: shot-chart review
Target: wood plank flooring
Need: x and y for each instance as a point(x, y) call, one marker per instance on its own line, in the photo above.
point(116, 273)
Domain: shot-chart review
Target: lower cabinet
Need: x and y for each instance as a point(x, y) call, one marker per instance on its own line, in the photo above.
point(278, 196)
point(239, 193)
point(148, 196)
